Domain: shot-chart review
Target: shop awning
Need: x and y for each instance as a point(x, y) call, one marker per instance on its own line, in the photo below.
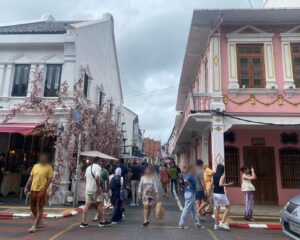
point(97, 154)
point(22, 128)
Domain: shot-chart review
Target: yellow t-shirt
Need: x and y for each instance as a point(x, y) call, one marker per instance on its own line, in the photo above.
point(40, 175)
point(208, 175)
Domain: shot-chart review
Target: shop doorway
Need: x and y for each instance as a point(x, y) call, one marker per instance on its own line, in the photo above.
point(263, 161)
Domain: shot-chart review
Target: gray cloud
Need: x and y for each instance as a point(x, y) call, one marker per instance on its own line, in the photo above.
point(151, 36)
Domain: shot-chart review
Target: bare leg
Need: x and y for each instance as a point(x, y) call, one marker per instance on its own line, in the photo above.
point(226, 213)
point(145, 213)
point(85, 212)
point(202, 206)
point(100, 210)
point(149, 212)
point(217, 212)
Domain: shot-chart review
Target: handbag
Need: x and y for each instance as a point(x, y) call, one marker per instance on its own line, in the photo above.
point(159, 211)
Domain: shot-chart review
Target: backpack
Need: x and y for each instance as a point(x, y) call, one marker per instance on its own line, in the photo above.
point(115, 183)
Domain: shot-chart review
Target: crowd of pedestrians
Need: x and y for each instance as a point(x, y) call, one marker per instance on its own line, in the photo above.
point(110, 186)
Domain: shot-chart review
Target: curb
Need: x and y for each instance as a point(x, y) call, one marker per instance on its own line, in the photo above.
point(255, 225)
point(10, 215)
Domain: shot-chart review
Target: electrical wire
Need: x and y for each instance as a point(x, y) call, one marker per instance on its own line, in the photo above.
point(250, 3)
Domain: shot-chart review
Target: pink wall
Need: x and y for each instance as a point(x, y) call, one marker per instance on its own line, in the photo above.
point(272, 138)
point(258, 108)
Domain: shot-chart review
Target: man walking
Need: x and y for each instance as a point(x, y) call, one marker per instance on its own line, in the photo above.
point(201, 195)
point(174, 177)
point(93, 193)
point(135, 181)
point(39, 180)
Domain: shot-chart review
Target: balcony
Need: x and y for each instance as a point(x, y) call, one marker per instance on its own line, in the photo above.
point(195, 117)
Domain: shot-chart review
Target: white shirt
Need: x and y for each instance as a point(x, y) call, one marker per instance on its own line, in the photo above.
point(91, 186)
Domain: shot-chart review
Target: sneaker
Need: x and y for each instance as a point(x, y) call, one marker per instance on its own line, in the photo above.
point(199, 226)
point(33, 229)
point(104, 224)
point(83, 225)
point(114, 223)
point(216, 227)
point(41, 225)
point(182, 227)
point(132, 204)
point(145, 224)
point(224, 225)
point(95, 219)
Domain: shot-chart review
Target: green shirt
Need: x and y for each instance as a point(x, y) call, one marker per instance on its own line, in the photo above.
point(104, 176)
point(173, 173)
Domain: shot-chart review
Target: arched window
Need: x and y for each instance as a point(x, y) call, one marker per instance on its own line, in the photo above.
point(232, 165)
point(290, 167)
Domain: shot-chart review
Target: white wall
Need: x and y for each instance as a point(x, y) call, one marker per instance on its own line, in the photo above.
point(95, 47)
point(129, 117)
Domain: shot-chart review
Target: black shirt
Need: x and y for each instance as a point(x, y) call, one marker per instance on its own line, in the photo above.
point(217, 188)
point(136, 173)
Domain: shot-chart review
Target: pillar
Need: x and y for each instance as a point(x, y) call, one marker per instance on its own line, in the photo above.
point(217, 141)
point(7, 81)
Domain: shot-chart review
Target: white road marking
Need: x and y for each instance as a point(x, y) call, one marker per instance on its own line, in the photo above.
point(177, 200)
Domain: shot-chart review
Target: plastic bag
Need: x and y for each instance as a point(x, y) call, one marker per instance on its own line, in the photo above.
point(159, 211)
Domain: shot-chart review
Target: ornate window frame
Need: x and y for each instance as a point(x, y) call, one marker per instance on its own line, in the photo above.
point(291, 36)
point(261, 37)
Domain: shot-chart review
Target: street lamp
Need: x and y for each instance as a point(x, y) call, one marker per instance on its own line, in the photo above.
point(77, 119)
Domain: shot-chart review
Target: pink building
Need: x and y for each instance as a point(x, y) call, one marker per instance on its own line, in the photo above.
point(239, 98)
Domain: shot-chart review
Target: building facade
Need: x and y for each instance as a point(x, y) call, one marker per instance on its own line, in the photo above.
point(132, 133)
point(152, 150)
point(49, 69)
point(238, 102)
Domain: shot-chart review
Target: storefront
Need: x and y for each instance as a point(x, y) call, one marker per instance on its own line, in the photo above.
point(275, 156)
point(21, 143)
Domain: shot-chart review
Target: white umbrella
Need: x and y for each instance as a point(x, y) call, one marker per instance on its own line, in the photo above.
point(97, 154)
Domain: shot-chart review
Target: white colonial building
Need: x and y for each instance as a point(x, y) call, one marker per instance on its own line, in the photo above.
point(132, 133)
point(62, 52)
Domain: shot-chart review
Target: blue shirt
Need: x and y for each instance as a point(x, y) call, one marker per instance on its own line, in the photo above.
point(124, 170)
point(189, 178)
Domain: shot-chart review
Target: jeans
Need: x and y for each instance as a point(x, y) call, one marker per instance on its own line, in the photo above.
point(173, 184)
point(189, 206)
point(134, 189)
point(117, 212)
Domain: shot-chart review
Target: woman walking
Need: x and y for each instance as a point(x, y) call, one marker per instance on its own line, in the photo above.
point(148, 192)
point(248, 189)
point(116, 184)
point(165, 180)
point(219, 197)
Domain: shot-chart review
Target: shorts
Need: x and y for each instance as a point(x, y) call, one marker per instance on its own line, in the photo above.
point(94, 198)
point(200, 196)
point(38, 199)
point(220, 200)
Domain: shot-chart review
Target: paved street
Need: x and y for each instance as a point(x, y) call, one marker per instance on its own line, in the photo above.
point(68, 228)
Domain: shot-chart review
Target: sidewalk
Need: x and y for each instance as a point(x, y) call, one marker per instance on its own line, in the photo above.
point(23, 211)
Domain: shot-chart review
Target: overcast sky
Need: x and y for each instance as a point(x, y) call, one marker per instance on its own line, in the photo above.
point(151, 37)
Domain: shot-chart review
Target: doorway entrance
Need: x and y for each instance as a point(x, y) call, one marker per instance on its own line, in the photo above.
point(263, 161)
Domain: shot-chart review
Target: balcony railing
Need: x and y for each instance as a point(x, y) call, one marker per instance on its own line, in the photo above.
point(195, 103)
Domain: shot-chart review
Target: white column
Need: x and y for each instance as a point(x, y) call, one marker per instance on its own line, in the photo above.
point(69, 72)
point(269, 66)
point(232, 62)
point(7, 81)
point(1, 79)
point(204, 146)
point(32, 76)
point(217, 141)
point(287, 66)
